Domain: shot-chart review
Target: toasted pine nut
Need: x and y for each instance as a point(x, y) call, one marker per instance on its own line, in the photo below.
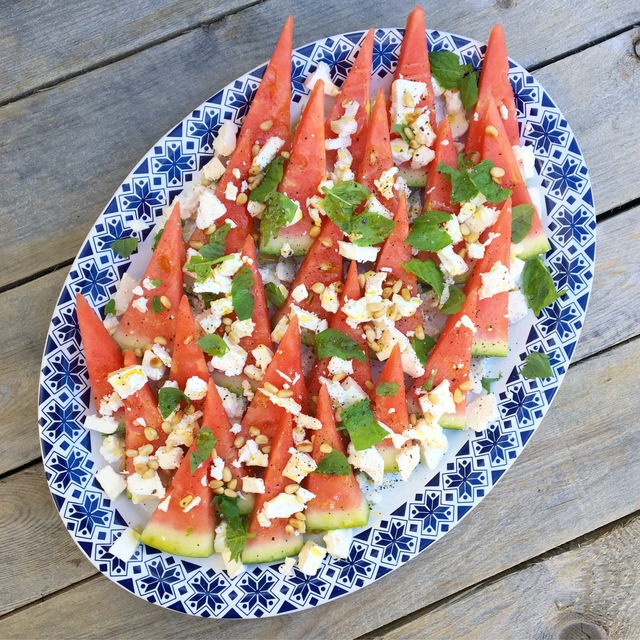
point(266, 125)
point(326, 448)
point(291, 488)
point(226, 474)
point(148, 474)
point(262, 439)
point(185, 501)
point(317, 287)
point(325, 241)
point(150, 433)
point(289, 530)
point(419, 332)
point(230, 493)
point(270, 387)
point(491, 131)
point(216, 484)
point(467, 385)
point(314, 232)
point(285, 393)
point(241, 199)
point(232, 484)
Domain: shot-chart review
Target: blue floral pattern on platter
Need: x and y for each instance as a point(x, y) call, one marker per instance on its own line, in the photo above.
point(403, 529)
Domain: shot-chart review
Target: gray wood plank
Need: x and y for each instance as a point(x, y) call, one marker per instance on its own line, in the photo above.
point(588, 591)
point(580, 472)
point(67, 149)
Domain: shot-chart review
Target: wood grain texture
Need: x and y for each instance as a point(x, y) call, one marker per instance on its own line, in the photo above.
point(581, 471)
point(588, 591)
point(68, 148)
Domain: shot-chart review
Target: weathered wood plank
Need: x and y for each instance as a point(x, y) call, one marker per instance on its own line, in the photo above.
point(47, 205)
point(588, 449)
point(589, 591)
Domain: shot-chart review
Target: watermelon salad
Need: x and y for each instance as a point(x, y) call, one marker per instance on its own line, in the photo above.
point(319, 308)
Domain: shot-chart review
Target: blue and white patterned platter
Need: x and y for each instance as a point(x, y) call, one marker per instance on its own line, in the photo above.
point(411, 516)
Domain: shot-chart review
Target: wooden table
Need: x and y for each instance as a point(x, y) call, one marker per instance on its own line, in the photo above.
point(87, 87)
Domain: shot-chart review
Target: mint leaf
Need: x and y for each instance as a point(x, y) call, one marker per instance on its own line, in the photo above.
point(157, 239)
point(387, 389)
point(215, 247)
point(228, 507)
point(462, 188)
point(334, 464)
point(454, 302)
point(279, 213)
point(274, 295)
point(537, 366)
point(487, 382)
point(521, 219)
point(481, 176)
point(341, 201)
point(427, 272)
point(205, 442)
point(157, 306)
point(110, 308)
point(241, 293)
point(168, 400)
point(428, 385)
point(213, 345)
point(331, 342)
point(361, 425)
point(124, 247)
point(446, 68)
point(423, 348)
point(370, 228)
point(399, 129)
point(156, 283)
point(538, 286)
point(201, 267)
point(272, 177)
point(427, 234)
point(236, 534)
point(469, 89)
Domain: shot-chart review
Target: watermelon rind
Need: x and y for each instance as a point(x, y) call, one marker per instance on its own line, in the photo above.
point(178, 542)
point(323, 520)
point(268, 549)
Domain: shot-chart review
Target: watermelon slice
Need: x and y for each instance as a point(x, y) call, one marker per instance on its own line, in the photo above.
point(138, 329)
point(438, 192)
point(361, 370)
point(492, 324)
point(494, 80)
point(450, 360)
point(391, 409)
point(101, 352)
point(304, 172)
point(498, 149)
point(284, 369)
point(273, 543)
point(356, 88)
point(339, 501)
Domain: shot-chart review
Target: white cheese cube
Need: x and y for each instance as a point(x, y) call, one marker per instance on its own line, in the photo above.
point(329, 298)
point(402, 106)
point(385, 183)
point(232, 362)
point(231, 191)
point(368, 460)
point(299, 465)
point(225, 142)
point(338, 542)
point(408, 460)
point(518, 308)
point(437, 402)
point(422, 157)
point(351, 251)
point(433, 446)
point(252, 485)
point(497, 280)
point(451, 264)
point(213, 170)
point(268, 152)
point(210, 209)
point(308, 320)
point(124, 294)
point(300, 293)
point(111, 481)
point(243, 328)
point(154, 373)
point(169, 457)
point(112, 449)
point(286, 569)
point(106, 424)
point(125, 546)
point(482, 412)
point(284, 505)
point(400, 151)
point(310, 558)
point(252, 456)
point(234, 405)
point(338, 365)
point(128, 380)
point(322, 72)
point(145, 488)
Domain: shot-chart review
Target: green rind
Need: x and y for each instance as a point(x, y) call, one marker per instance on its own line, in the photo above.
point(178, 542)
point(273, 246)
point(452, 421)
point(533, 246)
point(233, 383)
point(490, 348)
point(321, 520)
point(389, 454)
point(246, 503)
point(131, 342)
point(268, 550)
point(416, 178)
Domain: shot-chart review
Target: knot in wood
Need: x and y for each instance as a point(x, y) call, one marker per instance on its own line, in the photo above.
point(582, 631)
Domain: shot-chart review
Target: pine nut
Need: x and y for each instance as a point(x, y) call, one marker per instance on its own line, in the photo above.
point(255, 170)
point(146, 450)
point(255, 150)
point(286, 155)
point(150, 433)
point(196, 244)
point(407, 100)
point(141, 468)
point(214, 453)
point(226, 474)
point(326, 448)
point(369, 384)
point(190, 410)
point(262, 439)
point(314, 232)
point(270, 387)
point(219, 491)
point(155, 362)
point(291, 488)
point(185, 501)
point(289, 530)
point(464, 229)
point(230, 493)
point(266, 449)
point(458, 396)
point(372, 307)
point(166, 303)
point(497, 172)
point(413, 419)
point(216, 484)
point(472, 237)
point(386, 292)
point(397, 285)
point(254, 431)
point(238, 443)
point(166, 427)
point(361, 280)
point(414, 144)
point(419, 332)
point(232, 484)
point(296, 524)
point(266, 125)
point(241, 199)
point(375, 347)
point(177, 418)
point(339, 377)
point(406, 294)
point(467, 385)
point(285, 393)
point(227, 321)
point(317, 287)
point(300, 516)
point(148, 474)
point(131, 453)
point(491, 131)
point(305, 447)
point(137, 352)
point(234, 338)
point(326, 242)
point(187, 340)
point(409, 133)
point(160, 340)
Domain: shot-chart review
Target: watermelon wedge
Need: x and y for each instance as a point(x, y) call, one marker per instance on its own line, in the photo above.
point(356, 88)
point(138, 329)
point(272, 543)
point(101, 352)
point(303, 173)
point(438, 192)
point(339, 501)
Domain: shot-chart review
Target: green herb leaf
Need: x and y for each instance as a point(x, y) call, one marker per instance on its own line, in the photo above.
point(370, 228)
point(521, 219)
point(427, 272)
point(427, 234)
point(537, 366)
point(446, 69)
point(213, 345)
point(272, 177)
point(214, 249)
point(481, 176)
point(331, 342)
point(168, 399)
point(279, 213)
point(236, 535)
point(454, 302)
point(274, 295)
point(157, 239)
point(202, 267)
point(423, 347)
point(428, 385)
point(334, 464)
point(342, 200)
point(205, 442)
point(110, 308)
point(241, 293)
point(462, 188)
point(487, 382)
point(399, 128)
point(156, 283)
point(469, 89)
point(361, 425)
point(237, 539)
point(538, 286)
point(124, 247)
point(157, 306)
point(228, 507)
point(387, 389)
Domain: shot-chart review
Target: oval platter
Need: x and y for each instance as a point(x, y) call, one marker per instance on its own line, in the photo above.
point(411, 516)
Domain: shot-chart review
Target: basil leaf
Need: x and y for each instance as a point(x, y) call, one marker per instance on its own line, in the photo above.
point(215, 248)
point(124, 247)
point(446, 69)
point(426, 233)
point(110, 308)
point(454, 302)
point(272, 177)
point(205, 442)
point(537, 366)
point(387, 389)
point(213, 345)
point(481, 177)
point(361, 425)
point(331, 342)
point(521, 219)
point(274, 295)
point(428, 385)
point(427, 272)
point(538, 286)
point(279, 213)
point(462, 188)
point(487, 382)
point(423, 348)
point(157, 306)
point(241, 293)
point(168, 400)
point(370, 228)
point(399, 129)
point(469, 89)
point(334, 464)
point(342, 200)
